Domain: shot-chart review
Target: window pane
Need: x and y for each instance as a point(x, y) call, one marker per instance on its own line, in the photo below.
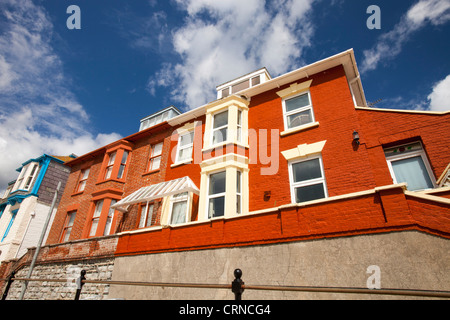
point(256, 80)
point(155, 163)
point(67, 234)
point(82, 186)
point(149, 215)
point(225, 92)
point(309, 193)
point(179, 210)
point(93, 227)
point(306, 170)
point(112, 158)
point(238, 204)
point(217, 183)
point(216, 207)
point(98, 208)
point(220, 119)
point(238, 181)
point(187, 139)
point(240, 86)
point(121, 170)
point(157, 150)
point(185, 154)
point(125, 157)
point(220, 135)
point(108, 172)
point(413, 172)
point(297, 102)
point(299, 119)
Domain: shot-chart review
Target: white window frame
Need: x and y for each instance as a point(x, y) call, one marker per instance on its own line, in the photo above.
point(294, 185)
point(217, 195)
point(26, 174)
point(174, 200)
point(213, 130)
point(96, 217)
point(407, 155)
point(110, 167)
point(154, 156)
point(180, 147)
point(238, 191)
point(110, 218)
point(146, 215)
point(83, 179)
point(300, 110)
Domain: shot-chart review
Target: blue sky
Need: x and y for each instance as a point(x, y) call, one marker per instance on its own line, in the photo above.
point(71, 91)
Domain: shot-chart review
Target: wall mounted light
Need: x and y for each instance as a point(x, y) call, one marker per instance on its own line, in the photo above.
point(356, 138)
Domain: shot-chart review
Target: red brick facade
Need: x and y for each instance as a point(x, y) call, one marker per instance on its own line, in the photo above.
point(361, 195)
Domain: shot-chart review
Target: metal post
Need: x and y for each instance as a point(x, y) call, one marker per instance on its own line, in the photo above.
point(8, 285)
point(41, 239)
point(237, 285)
point(80, 284)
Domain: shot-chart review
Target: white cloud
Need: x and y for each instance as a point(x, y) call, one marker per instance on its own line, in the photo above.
point(221, 40)
point(440, 97)
point(38, 112)
point(389, 45)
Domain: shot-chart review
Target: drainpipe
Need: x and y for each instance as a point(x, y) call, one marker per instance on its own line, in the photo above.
point(41, 239)
point(32, 214)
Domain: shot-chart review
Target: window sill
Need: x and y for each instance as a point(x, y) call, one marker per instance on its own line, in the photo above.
point(77, 193)
point(299, 129)
point(151, 172)
point(224, 144)
point(109, 180)
point(188, 161)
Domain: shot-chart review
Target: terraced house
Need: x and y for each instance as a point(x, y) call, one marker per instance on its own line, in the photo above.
point(293, 179)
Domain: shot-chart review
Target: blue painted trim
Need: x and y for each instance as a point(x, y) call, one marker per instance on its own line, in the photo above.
point(42, 172)
point(13, 217)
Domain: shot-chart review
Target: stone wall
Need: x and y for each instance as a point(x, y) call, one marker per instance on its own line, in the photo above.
point(406, 260)
point(95, 270)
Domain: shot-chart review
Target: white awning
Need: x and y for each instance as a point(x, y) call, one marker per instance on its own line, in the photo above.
point(157, 191)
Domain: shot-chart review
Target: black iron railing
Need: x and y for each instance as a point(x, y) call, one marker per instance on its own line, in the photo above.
point(237, 287)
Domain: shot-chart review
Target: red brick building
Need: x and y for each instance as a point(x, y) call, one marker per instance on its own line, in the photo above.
point(271, 161)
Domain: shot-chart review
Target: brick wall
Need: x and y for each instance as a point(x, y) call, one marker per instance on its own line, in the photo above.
point(346, 170)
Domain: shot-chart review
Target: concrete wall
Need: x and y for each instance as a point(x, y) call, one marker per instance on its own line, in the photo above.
point(407, 260)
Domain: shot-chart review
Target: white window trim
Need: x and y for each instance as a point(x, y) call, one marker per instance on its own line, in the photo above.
point(179, 148)
point(239, 192)
point(145, 214)
point(294, 185)
point(217, 195)
point(407, 155)
point(152, 156)
point(287, 114)
point(25, 173)
point(213, 130)
point(188, 209)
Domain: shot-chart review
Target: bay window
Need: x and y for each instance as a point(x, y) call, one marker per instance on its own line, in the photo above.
point(116, 162)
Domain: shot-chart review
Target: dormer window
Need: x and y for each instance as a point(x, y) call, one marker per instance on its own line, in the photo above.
point(26, 177)
point(248, 81)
